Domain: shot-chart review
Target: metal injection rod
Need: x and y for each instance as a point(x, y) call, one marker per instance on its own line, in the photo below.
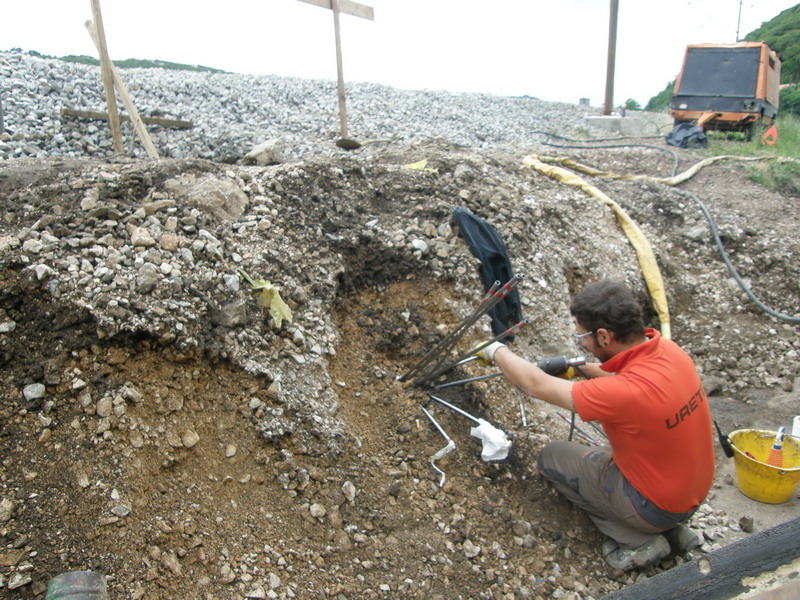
point(466, 381)
point(433, 351)
point(497, 297)
point(521, 398)
point(580, 432)
point(454, 364)
point(451, 445)
point(598, 429)
point(458, 410)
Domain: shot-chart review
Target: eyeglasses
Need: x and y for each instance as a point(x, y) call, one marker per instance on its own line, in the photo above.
point(579, 336)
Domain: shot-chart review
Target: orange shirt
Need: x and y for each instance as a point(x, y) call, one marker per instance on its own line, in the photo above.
point(656, 416)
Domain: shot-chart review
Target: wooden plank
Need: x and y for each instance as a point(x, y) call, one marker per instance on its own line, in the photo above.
point(719, 574)
point(101, 116)
point(348, 7)
point(126, 99)
point(108, 80)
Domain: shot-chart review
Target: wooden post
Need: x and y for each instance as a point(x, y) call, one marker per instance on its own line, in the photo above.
point(339, 71)
point(126, 99)
point(612, 56)
point(351, 8)
point(108, 80)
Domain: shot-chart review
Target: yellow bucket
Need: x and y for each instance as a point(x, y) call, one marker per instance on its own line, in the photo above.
point(755, 478)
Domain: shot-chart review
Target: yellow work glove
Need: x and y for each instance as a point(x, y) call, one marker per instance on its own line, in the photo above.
point(486, 355)
point(570, 373)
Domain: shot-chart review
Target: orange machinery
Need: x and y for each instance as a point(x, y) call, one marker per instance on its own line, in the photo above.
point(730, 87)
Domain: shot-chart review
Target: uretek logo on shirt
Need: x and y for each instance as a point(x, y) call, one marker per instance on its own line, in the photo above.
point(688, 408)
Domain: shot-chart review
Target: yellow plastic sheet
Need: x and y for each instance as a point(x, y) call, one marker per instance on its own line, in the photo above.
point(267, 295)
point(420, 165)
point(644, 252)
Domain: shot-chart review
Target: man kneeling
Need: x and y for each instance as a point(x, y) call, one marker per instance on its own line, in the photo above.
point(658, 465)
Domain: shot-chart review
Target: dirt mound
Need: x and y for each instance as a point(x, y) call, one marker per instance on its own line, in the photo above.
point(159, 426)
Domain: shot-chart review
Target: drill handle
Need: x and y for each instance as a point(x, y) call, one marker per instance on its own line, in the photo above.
point(558, 365)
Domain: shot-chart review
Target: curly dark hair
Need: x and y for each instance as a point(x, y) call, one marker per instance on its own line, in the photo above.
point(608, 304)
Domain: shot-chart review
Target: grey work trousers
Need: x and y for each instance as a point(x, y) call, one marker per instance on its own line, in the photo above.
point(588, 477)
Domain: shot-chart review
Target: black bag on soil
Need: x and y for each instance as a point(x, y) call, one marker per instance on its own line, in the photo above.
point(486, 246)
point(687, 135)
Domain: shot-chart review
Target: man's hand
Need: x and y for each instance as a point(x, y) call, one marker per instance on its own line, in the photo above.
point(487, 354)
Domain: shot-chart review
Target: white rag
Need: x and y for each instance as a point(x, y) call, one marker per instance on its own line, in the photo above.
point(495, 442)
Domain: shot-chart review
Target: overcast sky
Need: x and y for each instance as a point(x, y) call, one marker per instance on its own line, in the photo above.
point(555, 50)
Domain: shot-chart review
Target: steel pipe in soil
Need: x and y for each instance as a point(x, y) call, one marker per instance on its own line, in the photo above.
point(438, 347)
point(455, 408)
point(438, 354)
point(497, 297)
point(442, 370)
point(451, 445)
point(466, 381)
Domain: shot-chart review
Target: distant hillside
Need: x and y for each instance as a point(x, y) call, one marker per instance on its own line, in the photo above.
point(782, 34)
point(128, 63)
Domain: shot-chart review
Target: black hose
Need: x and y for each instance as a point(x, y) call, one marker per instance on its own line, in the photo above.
point(731, 268)
point(659, 148)
point(709, 218)
point(615, 139)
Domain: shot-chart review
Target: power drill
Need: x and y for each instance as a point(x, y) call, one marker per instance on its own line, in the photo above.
point(560, 365)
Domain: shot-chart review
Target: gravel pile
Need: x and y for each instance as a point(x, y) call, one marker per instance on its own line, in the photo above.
point(233, 113)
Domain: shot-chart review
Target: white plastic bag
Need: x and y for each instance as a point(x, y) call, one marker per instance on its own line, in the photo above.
point(495, 442)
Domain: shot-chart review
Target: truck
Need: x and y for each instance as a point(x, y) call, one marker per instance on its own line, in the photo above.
point(729, 87)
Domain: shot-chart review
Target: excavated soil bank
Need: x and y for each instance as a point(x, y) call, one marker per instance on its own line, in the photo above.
point(188, 446)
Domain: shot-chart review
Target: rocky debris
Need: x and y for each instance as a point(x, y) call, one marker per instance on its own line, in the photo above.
point(258, 119)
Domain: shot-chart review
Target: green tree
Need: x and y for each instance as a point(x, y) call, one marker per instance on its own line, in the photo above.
point(790, 100)
point(660, 102)
point(631, 104)
point(782, 34)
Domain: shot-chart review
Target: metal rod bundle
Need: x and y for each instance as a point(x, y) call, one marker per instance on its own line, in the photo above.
point(436, 372)
point(439, 353)
point(439, 348)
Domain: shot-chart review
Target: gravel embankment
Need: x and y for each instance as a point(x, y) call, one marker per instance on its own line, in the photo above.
point(232, 113)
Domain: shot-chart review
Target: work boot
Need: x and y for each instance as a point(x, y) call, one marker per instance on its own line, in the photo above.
point(682, 539)
point(626, 559)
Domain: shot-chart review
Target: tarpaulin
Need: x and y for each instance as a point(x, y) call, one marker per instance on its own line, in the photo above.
point(487, 246)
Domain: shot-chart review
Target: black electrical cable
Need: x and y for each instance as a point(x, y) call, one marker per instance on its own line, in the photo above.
point(571, 427)
point(731, 268)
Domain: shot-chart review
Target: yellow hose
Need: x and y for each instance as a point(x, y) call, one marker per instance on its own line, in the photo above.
point(671, 181)
point(644, 252)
